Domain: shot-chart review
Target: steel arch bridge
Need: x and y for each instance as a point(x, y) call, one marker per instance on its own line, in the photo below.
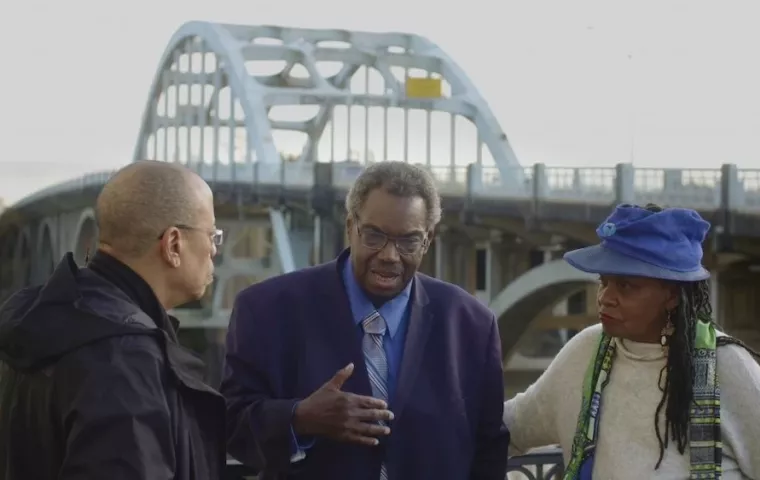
point(215, 99)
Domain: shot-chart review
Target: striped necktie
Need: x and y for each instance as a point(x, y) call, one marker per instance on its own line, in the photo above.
point(377, 364)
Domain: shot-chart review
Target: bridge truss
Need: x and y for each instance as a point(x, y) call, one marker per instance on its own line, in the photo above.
point(234, 94)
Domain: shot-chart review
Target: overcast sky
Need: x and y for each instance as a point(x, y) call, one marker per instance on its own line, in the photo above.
point(594, 83)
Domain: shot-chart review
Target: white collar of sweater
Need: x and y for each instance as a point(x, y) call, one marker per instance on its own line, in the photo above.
point(640, 352)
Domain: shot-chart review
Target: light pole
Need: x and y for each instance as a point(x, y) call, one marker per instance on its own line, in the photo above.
point(631, 109)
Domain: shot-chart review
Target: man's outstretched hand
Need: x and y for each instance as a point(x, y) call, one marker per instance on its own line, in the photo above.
point(343, 416)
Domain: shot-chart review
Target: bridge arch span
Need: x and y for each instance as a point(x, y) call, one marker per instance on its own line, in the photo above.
point(45, 250)
point(8, 242)
point(523, 299)
point(235, 46)
point(85, 235)
point(230, 60)
point(22, 261)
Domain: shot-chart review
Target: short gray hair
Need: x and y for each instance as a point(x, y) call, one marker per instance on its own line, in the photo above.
point(397, 178)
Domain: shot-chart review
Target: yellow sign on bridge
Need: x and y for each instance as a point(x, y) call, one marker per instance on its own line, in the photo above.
point(423, 87)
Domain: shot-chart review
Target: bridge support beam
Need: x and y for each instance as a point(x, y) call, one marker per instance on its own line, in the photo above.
point(715, 296)
point(560, 309)
point(281, 239)
point(461, 258)
point(488, 274)
point(328, 239)
point(441, 255)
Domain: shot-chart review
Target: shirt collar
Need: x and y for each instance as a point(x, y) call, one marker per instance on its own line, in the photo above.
point(392, 311)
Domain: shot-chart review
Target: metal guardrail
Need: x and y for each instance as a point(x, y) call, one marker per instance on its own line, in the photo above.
point(727, 187)
point(541, 464)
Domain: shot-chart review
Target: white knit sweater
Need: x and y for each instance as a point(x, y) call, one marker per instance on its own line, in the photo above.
point(547, 412)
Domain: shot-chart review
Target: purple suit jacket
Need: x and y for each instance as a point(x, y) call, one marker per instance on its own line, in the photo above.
point(290, 334)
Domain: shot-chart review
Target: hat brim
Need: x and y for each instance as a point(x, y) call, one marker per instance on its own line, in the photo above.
point(603, 261)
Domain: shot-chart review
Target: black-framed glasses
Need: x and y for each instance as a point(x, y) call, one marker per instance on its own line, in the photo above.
point(216, 235)
point(376, 240)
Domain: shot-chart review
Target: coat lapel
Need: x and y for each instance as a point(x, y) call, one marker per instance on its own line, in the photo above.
point(420, 324)
point(339, 329)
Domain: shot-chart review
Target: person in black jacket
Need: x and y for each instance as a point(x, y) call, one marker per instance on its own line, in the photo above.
point(93, 382)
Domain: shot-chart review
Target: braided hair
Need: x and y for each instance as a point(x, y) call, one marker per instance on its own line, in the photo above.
point(678, 372)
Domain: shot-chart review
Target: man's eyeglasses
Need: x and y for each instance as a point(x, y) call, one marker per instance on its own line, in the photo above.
point(216, 235)
point(377, 240)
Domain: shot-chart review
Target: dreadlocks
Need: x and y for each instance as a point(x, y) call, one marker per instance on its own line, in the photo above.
point(679, 370)
point(678, 391)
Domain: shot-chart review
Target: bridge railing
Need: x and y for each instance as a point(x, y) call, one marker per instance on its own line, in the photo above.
point(727, 187)
point(540, 464)
point(706, 189)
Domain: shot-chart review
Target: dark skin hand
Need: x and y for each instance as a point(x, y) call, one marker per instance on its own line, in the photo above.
point(342, 416)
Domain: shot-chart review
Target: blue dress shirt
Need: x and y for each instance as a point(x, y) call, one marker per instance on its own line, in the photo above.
point(395, 312)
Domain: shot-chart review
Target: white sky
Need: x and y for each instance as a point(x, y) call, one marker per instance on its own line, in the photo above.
point(572, 82)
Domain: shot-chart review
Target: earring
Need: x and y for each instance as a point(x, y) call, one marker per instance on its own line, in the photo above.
point(667, 332)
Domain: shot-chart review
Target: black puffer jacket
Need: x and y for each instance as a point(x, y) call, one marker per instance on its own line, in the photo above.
point(91, 388)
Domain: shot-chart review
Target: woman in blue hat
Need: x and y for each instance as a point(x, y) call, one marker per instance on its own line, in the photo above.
point(656, 354)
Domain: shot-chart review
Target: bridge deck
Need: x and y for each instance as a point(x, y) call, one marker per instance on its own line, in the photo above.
point(702, 189)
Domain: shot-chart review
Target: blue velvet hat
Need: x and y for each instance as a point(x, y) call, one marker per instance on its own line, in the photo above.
point(637, 242)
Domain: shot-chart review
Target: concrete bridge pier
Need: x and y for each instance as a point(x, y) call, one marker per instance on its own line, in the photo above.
point(81, 234)
point(715, 296)
point(22, 259)
point(441, 248)
point(329, 238)
point(7, 274)
point(735, 297)
point(560, 309)
point(451, 259)
point(488, 267)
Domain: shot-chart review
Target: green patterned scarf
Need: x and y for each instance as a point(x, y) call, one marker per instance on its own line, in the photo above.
point(704, 422)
